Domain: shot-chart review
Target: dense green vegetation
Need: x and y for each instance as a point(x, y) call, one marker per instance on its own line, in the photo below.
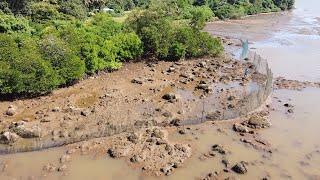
point(221, 8)
point(45, 44)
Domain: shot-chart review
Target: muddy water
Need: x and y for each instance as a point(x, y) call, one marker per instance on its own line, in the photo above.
point(293, 50)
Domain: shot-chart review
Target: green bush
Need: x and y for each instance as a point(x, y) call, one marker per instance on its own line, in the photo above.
point(103, 25)
point(4, 7)
point(128, 46)
point(154, 30)
point(67, 65)
point(10, 24)
point(210, 46)
point(200, 15)
point(177, 51)
point(228, 11)
point(198, 43)
point(74, 8)
point(43, 11)
point(284, 4)
point(22, 69)
point(164, 38)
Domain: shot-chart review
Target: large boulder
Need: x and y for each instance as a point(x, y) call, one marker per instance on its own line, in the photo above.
point(256, 121)
point(12, 110)
point(27, 132)
point(240, 168)
point(117, 152)
point(8, 138)
point(171, 97)
point(240, 128)
point(219, 148)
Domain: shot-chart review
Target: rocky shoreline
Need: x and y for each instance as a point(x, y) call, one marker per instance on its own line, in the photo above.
point(150, 94)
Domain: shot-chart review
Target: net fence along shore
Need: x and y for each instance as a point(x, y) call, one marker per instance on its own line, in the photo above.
point(249, 103)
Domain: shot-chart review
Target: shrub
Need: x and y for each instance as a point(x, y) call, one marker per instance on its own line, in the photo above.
point(74, 8)
point(177, 51)
point(87, 41)
point(128, 46)
point(43, 11)
point(198, 43)
point(284, 4)
point(228, 11)
point(200, 15)
point(22, 69)
point(165, 39)
point(67, 65)
point(210, 46)
point(154, 30)
point(103, 25)
point(4, 7)
point(10, 24)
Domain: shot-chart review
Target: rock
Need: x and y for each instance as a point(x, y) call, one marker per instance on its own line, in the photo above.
point(49, 167)
point(213, 116)
point(219, 148)
point(171, 69)
point(62, 168)
point(231, 98)
point(290, 111)
point(65, 158)
point(204, 86)
point(64, 134)
point(288, 105)
point(258, 122)
point(231, 106)
point(240, 128)
point(175, 122)
point(187, 76)
point(182, 131)
point(45, 120)
point(136, 81)
point(170, 97)
point(211, 176)
point(167, 114)
point(117, 152)
point(224, 79)
point(134, 138)
point(225, 162)
point(56, 109)
point(203, 64)
point(84, 113)
point(157, 133)
point(12, 110)
point(27, 132)
point(71, 151)
point(240, 168)
point(8, 138)
point(137, 158)
point(167, 170)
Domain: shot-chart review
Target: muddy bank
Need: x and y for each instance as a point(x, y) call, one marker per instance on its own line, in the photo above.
point(159, 151)
point(140, 95)
point(282, 83)
point(254, 28)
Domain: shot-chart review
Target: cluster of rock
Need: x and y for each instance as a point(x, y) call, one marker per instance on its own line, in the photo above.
point(282, 83)
point(19, 130)
point(151, 150)
point(147, 95)
point(257, 122)
point(248, 131)
point(221, 151)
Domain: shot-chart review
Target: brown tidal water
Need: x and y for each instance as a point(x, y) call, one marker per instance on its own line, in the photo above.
point(291, 43)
